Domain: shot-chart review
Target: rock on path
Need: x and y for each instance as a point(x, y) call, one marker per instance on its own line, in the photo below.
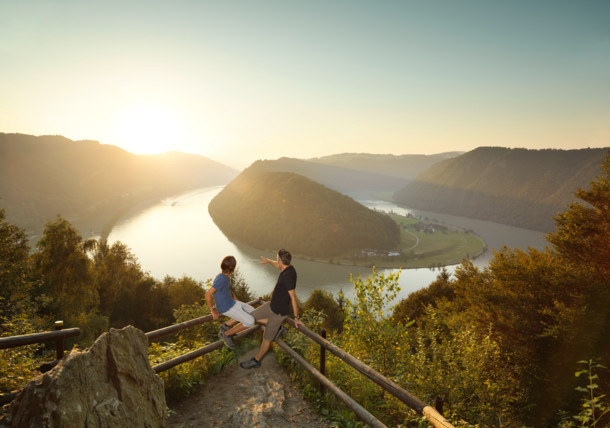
point(261, 397)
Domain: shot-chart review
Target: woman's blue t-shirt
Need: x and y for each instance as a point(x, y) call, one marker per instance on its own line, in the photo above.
point(222, 296)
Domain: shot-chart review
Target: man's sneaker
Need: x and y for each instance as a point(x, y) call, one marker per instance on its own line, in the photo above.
point(227, 340)
point(250, 364)
point(282, 331)
point(224, 327)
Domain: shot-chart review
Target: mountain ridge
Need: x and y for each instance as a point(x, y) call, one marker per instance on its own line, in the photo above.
point(89, 183)
point(519, 187)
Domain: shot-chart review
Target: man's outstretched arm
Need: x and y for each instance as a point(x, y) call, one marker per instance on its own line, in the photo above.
point(274, 263)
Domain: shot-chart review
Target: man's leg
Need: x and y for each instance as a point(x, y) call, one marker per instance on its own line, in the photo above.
point(265, 345)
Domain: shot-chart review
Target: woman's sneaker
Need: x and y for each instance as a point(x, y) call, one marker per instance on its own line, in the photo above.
point(227, 340)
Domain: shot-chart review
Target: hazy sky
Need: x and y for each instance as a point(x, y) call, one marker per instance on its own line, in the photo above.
point(263, 79)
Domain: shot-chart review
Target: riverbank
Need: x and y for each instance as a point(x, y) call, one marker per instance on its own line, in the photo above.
point(423, 244)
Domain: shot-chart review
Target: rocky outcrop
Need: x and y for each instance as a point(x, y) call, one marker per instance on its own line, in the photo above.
point(110, 384)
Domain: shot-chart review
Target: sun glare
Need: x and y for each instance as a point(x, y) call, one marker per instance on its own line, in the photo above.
point(149, 130)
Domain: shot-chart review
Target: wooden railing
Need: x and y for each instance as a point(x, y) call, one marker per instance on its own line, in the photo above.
point(199, 352)
point(58, 336)
point(429, 412)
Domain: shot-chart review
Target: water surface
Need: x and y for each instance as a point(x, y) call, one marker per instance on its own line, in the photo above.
point(178, 237)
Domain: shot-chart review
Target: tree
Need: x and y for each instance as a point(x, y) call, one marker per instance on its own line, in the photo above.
point(583, 230)
point(114, 268)
point(325, 302)
point(414, 306)
point(15, 273)
point(62, 262)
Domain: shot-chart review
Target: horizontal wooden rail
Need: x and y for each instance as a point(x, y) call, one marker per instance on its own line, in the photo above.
point(199, 352)
point(360, 411)
point(435, 418)
point(29, 339)
point(151, 335)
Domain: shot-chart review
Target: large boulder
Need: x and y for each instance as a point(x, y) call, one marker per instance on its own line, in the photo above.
point(110, 384)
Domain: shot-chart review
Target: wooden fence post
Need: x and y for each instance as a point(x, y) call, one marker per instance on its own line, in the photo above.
point(438, 404)
point(59, 342)
point(322, 361)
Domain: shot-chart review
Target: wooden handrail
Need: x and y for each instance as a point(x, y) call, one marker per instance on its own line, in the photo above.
point(151, 335)
point(199, 352)
point(433, 416)
point(30, 339)
point(360, 411)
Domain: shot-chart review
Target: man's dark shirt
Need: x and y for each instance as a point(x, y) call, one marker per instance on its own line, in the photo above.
point(280, 299)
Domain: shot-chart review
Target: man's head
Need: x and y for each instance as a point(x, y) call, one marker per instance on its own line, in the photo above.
point(284, 256)
point(228, 265)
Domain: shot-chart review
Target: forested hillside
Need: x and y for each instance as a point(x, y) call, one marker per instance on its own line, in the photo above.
point(272, 210)
point(87, 182)
point(520, 187)
point(402, 166)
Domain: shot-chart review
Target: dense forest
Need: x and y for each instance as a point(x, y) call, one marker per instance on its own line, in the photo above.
point(272, 210)
point(520, 187)
point(90, 183)
point(524, 341)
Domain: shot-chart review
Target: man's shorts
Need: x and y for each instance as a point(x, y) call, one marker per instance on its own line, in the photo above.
point(241, 312)
point(274, 321)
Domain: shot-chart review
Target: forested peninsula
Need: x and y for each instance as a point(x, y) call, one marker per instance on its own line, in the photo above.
point(520, 187)
point(271, 210)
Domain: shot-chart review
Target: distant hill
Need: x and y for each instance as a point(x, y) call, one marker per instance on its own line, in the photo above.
point(350, 172)
point(406, 167)
point(519, 187)
point(273, 210)
point(89, 183)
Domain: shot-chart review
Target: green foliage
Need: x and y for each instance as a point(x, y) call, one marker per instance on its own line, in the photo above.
point(62, 262)
point(115, 268)
point(18, 365)
point(594, 408)
point(414, 306)
point(583, 230)
point(240, 287)
point(273, 210)
point(324, 301)
point(368, 334)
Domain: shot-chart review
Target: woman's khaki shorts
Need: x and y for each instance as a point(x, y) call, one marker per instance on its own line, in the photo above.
point(274, 321)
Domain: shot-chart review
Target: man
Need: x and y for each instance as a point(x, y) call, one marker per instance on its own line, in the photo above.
point(273, 313)
point(226, 303)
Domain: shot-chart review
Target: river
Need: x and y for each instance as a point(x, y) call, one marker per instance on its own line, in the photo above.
point(177, 237)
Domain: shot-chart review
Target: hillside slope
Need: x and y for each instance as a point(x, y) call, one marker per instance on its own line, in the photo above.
point(406, 167)
point(338, 178)
point(519, 187)
point(87, 182)
point(272, 210)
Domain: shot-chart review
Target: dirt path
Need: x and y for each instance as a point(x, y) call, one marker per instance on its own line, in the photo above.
point(261, 397)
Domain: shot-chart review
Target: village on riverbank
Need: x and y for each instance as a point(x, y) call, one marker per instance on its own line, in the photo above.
point(424, 243)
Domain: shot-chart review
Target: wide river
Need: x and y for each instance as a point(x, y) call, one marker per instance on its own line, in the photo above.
point(177, 237)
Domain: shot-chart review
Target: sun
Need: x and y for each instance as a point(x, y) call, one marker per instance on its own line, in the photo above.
point(149, 130)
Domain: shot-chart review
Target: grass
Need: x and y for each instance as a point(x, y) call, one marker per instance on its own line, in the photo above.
point(423, 244)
